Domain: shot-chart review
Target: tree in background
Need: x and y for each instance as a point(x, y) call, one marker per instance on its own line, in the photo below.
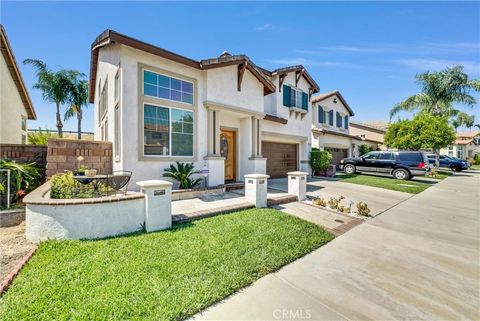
point(40, 137)
point(53, 85)
point(77, 97)
point(424, 131)
point(363, 149)
point(440, 90)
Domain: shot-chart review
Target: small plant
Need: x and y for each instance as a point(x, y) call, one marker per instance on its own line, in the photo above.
point(320, 202)
point(23, 177)
point(40, 137)
point(362, 209)
point(81, 169)
point(346, 210)
point(64, 186)
point(183, 174)
point(335, 202)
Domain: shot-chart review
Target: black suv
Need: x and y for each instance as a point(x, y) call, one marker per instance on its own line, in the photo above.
point(401, 165)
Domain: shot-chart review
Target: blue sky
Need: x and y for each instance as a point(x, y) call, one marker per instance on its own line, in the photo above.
point(370, 51)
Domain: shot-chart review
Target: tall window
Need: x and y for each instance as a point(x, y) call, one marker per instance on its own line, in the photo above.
point(103, 101)
point(166, 87)
point(116, 118)
point(293, 97)
point(24, 123)
point(450, 150)
point(167, 131)
point(346, 122)
point(330, 117)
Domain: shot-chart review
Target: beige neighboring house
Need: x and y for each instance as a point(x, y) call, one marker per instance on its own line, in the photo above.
point(15, 104)
point(331, 126)
point(466, 145)
point(372, 133)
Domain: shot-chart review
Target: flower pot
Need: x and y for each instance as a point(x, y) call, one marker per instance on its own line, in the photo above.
point(90, 172)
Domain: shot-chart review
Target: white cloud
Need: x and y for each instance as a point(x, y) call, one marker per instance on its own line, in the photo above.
point(439, 64)
point(265, 27)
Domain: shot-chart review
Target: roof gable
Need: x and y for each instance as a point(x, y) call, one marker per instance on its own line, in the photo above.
point(327, 95)
point(15, 74)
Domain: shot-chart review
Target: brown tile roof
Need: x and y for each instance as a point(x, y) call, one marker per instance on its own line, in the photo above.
point(329, 94)
point(463, 141)
point(15, 73)
point(380, 126)
point(471, 134)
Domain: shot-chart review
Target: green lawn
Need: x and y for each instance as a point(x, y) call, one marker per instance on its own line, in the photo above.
point(407, 186)
point(475, 167)
point(167, 275)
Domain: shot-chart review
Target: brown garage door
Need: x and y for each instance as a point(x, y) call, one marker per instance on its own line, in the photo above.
point(281, 158)
point(337, 154)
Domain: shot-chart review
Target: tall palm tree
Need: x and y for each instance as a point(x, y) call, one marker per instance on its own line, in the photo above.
point(440, 90)
point(53, 85)
point(77, 97)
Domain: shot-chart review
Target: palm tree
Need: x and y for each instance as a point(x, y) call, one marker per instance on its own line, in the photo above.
point(53, 85)
point(77, 97)
point(440, 90)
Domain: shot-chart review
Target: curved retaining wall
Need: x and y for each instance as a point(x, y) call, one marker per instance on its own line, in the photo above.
point(48, 218)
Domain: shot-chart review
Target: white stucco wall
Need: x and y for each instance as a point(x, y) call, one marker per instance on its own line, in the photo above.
point(11, 108)
point(328, 104)
point(221, 87)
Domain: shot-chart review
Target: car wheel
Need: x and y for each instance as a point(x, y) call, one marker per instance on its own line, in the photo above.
point(401, 174)
point(456, 169)
point(349, 169)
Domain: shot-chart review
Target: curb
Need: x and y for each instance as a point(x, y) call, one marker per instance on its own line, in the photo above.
point(7, 281)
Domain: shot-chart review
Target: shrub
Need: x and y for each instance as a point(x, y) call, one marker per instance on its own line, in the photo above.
point(65, 186)
point(183, 174)
point(23, 177)
point(363, 149)
point(319, 160)
point(320, 202)
point(477, 159)
point(40, 137)
point(335, 202)
point(346, 210)
point(362, 209)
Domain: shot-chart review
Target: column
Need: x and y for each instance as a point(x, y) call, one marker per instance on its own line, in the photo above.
point(256, 189)
point(256, 138)
point(213, 135)
point(297, 185)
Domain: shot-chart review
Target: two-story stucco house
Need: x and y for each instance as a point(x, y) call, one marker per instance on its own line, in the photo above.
point(331, 130)
point(15, 104)
point(224, 113)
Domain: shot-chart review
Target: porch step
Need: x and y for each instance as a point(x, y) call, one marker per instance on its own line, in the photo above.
point(188, 217)
point(234, 186)
point(281, 200)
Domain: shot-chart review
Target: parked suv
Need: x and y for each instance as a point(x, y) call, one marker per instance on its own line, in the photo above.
point(452, 163)
point(401, 164)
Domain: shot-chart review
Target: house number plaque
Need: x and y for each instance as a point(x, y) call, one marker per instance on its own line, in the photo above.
point(158, 192)
point(262, 181)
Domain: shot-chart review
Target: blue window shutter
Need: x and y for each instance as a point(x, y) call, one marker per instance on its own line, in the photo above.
point(286, 96)
point(330, 117)
point(321, 115)
point(346, 122)
point(305, 101)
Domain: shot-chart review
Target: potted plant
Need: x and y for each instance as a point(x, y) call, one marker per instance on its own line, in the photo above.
point(320, 162)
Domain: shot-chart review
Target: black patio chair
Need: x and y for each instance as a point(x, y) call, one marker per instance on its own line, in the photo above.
point(118, 180)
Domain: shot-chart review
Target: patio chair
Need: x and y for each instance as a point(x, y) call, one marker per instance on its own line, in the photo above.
point(119, 180)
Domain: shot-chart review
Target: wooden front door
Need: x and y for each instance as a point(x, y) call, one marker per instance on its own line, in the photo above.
point(228, 149)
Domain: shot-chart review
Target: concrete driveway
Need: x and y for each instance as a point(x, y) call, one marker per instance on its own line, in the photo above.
point(419, 260)
point(377, 199)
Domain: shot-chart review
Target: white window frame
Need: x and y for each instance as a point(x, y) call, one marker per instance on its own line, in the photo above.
point(169, 131)
point(167, 99)
point(103, 101)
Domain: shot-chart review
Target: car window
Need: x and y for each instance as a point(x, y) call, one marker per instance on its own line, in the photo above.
point(371, 155)
point(386, 156)
point(411, 157)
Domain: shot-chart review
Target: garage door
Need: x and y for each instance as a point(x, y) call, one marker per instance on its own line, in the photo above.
point(337, 154)
point(281, 158)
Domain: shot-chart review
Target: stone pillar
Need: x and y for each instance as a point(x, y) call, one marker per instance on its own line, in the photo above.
point(297, 185)
point(216, 168)
point(256, 189)
point(158, 204)
point(256, 138)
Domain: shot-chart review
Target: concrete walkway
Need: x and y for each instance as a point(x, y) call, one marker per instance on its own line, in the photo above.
point(419, 260)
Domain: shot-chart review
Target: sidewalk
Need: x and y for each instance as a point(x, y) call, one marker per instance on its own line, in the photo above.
point(418, 260)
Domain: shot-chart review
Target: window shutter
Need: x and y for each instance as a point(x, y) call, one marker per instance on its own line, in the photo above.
point(330, 117)
point(286, 96)
point(305, 101)
point(339, 120)
point(346, 122)
point(321, 115)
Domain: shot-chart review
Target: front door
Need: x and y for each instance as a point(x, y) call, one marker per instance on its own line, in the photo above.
point(228, 149)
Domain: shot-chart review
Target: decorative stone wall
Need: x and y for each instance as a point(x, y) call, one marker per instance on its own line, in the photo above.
point(62, 155)
point(25, 154)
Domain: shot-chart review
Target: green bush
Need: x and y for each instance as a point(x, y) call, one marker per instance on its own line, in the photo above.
point(363, 149)
point(477, 159)
point(320, 160)
point(183, 173)
point(65, 186)
point(362, 209)
point(23, 178)
point(40, 137)
point(334, 203)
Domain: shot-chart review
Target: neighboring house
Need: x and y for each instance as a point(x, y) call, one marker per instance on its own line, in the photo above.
point(15, 104)
point(466, 146)
point(225, 113)
point(372, 133)
point(331, 126)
